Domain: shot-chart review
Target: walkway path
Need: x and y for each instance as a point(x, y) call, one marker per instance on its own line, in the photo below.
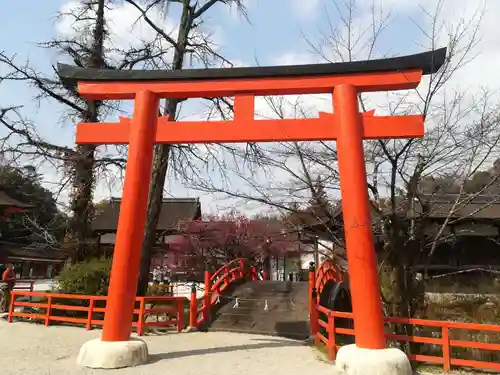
point(31, 349)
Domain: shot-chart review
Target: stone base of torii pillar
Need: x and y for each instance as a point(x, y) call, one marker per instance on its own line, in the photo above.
point(113, 355)
point(351, 360)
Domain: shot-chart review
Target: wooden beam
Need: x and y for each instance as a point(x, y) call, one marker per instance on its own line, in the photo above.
point(364, 82)
point(249, 130)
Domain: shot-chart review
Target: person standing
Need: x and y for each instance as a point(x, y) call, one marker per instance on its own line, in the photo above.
point(9, 278)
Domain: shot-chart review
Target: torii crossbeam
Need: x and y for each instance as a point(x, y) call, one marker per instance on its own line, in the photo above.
point(246, 129)
point(346, 125)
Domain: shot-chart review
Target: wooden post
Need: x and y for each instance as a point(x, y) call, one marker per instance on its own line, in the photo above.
point(180, 315)
point(11, 306)
point(332, 349)
point(193, 308)
point(313, 313)
point(266, 266)
point(254, 273)
point(140, 318)
point(226, 275)
point(445, 335)
point(363, 276)
point(316, 251)
point(313, 301)
point(242, 268)
point(312, 281)
point(133, 211)
point(206, 298)
point(48, 311)
point(90, 314)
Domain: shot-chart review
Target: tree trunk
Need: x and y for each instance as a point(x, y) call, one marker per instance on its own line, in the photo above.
point(160, 166)
point(160, 163)
point(81, 203)
point(402, 291)
point(80, 230)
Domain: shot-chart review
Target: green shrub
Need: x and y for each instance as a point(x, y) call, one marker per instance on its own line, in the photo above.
point(89, 278)
point(159, 290)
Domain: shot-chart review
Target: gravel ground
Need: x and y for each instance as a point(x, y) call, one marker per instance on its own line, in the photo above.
point(31, 349)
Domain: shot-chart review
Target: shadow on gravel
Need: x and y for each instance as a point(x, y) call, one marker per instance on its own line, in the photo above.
point(153, 358)
point(293, 329)
point(293, 342)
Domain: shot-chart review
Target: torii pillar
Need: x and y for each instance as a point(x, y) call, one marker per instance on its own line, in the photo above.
point(346, 125)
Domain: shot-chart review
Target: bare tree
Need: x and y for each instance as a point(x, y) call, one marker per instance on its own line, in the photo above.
point(191, 43)
point(86, 49)
point(461, 140)
point(87, 44)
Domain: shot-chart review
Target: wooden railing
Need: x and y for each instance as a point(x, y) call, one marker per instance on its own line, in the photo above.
point(91, 305)
point(215, 285)
point(444, 341)
point(326, 271)
point(199, 309)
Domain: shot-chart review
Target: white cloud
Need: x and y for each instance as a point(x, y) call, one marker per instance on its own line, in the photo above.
point(234, 14)
point(305, 10)
point(128, 30)
point(123, 23)
point(295, 58)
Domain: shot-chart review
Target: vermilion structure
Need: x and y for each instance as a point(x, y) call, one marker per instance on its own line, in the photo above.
point(346, 125)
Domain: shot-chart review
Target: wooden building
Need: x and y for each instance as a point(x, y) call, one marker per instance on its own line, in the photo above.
point(34, 263)
point(10, 206)
point(465, 229)
point(29, 263)
point(173, 212)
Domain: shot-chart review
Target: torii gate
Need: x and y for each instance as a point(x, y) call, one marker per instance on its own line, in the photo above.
point(346, 125)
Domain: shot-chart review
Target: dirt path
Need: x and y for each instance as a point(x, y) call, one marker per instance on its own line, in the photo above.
point(31, 349)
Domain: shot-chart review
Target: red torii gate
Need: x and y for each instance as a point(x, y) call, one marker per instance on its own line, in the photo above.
point(346, 125)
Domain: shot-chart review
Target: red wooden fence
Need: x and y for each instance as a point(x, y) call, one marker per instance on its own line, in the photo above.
point(199, 310)
point(444, 341)
point(51, 302)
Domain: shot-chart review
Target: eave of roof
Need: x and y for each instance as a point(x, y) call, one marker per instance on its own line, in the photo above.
point(429, 62)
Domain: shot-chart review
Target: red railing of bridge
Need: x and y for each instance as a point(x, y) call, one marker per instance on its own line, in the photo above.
point(445, 342)
point(327, 271)
point(52, 302)
point(215, 284)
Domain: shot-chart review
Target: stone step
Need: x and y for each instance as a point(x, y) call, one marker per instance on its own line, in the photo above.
point(257, 330)
point(287, 313)
point(271, 310)
point(237, 322)
point(290, 335)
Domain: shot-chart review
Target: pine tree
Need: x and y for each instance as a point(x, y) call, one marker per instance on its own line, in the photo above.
point(319, 203)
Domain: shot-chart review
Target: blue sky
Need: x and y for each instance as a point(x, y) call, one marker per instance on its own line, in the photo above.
point(277, 28)
point(275, 35)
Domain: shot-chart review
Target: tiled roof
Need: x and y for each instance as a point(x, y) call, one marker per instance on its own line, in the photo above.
point(7, 201)
point(173, 211)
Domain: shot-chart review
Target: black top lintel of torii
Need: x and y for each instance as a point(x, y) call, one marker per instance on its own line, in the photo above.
point(429, 62)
